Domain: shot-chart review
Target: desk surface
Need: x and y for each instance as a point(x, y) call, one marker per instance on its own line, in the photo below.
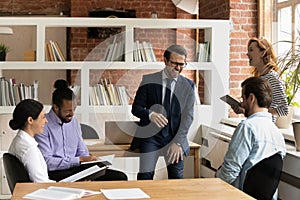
point(98, 145)
point(203, 188)
point(98, 148)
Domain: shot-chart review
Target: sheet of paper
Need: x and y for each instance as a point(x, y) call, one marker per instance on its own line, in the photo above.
point(51, 195)
point(90, 143)
point(107, 160)
point(129, 193)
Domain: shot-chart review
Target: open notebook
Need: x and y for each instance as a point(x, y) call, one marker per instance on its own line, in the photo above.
point(90, 173)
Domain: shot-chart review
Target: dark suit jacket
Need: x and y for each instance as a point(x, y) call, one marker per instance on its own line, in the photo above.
point(149, 98)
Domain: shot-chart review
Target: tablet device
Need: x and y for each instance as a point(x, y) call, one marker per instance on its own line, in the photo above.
point(231, 101)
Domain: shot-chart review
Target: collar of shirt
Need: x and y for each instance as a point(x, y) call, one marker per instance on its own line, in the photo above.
point(26, 137)
point(164, 84)
point(261, 114)
point(164, 77)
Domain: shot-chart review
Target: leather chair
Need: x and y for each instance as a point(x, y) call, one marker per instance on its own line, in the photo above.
point(263, 178)
point(88, 132)
point(15, 171)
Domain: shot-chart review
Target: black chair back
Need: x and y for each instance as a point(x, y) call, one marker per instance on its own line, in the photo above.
point(263, 178)
point(88, 132)
point(14, 170)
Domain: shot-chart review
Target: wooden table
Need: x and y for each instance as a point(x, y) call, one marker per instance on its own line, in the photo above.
point(202, 188)
point(100, 149)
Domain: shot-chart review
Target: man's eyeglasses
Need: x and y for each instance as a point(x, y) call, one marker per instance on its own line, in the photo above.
point(175, 64)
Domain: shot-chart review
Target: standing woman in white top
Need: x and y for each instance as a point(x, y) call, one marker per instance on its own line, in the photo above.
point(29, 118)
point(263, 59)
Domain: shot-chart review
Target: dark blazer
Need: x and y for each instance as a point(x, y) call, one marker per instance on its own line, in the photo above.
point(149, 98)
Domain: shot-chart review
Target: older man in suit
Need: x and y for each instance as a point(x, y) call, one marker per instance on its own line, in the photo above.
point(164, 103)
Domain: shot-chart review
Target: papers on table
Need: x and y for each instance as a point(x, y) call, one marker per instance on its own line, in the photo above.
point(128, 193)
point(67, 193)
point(62, 193)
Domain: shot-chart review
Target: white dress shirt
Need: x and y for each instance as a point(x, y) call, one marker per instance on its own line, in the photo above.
point(24, 147)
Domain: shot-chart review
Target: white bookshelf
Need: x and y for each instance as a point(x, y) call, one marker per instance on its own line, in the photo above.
point(215, 72)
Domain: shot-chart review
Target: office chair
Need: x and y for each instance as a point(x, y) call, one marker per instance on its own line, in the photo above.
point(263, 178)
point(15, 171)
point(88, 132)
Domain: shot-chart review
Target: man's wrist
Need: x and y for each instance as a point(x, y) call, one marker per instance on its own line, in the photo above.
point(178, 144)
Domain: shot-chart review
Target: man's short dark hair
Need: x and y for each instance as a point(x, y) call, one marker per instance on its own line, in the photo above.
point(175, 49)
point(261, 89)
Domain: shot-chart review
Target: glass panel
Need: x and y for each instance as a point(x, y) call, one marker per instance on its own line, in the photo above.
point(284, 29)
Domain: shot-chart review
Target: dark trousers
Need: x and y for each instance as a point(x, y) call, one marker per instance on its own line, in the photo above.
point(150, 150)
point(110, 175)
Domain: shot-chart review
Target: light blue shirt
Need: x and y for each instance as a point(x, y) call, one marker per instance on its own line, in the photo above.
point(254, 139)
point(61, 143)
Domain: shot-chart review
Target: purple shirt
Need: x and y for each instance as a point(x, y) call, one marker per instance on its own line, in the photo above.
point(61, 143)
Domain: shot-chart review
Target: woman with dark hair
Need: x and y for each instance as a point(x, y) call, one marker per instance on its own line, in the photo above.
point(29, 119)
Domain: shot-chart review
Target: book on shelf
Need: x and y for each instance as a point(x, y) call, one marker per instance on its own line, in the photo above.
point(75, 89)
point(147, 51)
point(54, 52)
point(102, 94)
point(62, 193)
point(12, 93)
point(115, 49)
point(106, 93)
point(143, 52)
point(203, 52)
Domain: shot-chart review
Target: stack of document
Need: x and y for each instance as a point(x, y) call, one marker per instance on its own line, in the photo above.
point(62, 193)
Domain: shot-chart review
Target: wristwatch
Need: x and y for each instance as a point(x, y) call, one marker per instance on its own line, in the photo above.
point(178, 144)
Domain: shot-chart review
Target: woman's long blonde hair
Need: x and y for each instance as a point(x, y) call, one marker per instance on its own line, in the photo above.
point(269, 55)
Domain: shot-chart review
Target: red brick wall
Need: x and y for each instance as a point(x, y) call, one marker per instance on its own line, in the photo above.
point(81, 45)
point(217, 9)
point(44, 7)
point(244, 17)
point(243, 14)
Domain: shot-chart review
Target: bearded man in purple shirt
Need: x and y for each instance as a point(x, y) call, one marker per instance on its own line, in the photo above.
point(61, 142)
